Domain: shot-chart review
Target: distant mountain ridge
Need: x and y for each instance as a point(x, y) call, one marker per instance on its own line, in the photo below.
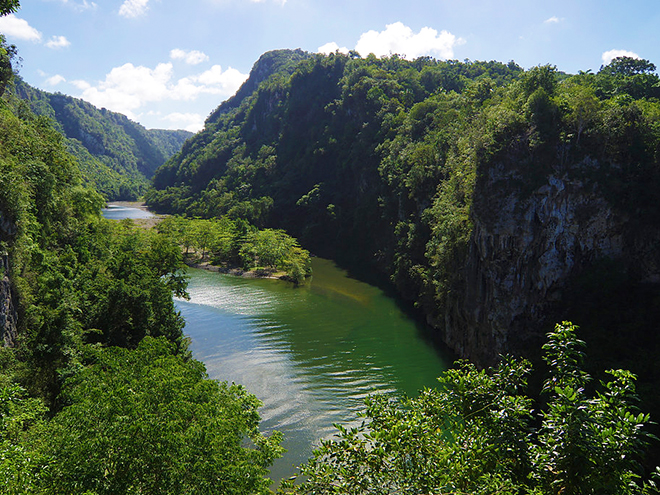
point(117, 155)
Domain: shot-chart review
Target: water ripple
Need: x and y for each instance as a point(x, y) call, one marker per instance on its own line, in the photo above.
point(311, 355)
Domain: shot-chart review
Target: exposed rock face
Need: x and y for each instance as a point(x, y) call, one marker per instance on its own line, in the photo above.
point(8, 318)
point(523, 251)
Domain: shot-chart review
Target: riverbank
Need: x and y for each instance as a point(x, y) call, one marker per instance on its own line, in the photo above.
point(238, 271)
point(193, 258)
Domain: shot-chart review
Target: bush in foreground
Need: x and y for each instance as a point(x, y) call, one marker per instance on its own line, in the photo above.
point(479, 433)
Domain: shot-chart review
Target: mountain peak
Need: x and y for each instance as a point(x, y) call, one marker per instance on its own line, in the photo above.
point(272, 62)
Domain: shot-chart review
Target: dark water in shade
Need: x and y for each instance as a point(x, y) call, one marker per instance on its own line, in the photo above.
point(310, 354)
point(114, 212)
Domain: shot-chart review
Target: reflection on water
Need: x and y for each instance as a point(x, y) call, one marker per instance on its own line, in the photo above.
point(115, 212)
point(310, 354)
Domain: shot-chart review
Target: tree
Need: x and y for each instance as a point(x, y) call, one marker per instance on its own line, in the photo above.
point(276, 250)
point(476, 434)
point(150, 421)
point(586, 444)
point(628, 66)
point(7, 54)
point(9, 6)
point(631, 76)
point(583, 106)
point(19, 468)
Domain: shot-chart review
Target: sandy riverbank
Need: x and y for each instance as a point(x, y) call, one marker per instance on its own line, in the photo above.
point(237, 271)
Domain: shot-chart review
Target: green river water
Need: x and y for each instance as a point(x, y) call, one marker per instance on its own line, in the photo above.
point(310, 354)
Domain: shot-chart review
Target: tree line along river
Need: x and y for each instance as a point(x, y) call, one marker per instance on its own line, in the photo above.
point(311, 354)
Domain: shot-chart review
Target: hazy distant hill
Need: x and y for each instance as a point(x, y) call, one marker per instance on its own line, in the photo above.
point(117, 155)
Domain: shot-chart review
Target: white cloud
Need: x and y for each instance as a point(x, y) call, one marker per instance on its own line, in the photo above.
point(55, 80)
point(227, 82)
point(192, 122)
point(133, 8)
point(331, 47)
point(80, 6)
point(81, 85)
point(128, 88)
point(610, 55)
point(58, 42)
point(400, 39)
point(192, 57)
point(552, 20)
point(12, 26)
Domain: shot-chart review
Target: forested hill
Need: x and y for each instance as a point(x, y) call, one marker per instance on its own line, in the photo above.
point(117, 155)
point(496, 199)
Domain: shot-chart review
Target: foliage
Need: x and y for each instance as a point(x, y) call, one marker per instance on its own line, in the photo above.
point(476, 434)
point(116, 155)
point(19, 467)
point(236, 242)
point(7, 54)
point(77, 277)
point(275, 249)
point(9, 6)
point(150, 421)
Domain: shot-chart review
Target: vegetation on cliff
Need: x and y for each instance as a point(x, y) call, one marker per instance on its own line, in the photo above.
point(99, 393)
point(116, 155)
point(377, 160)
point(389, 165)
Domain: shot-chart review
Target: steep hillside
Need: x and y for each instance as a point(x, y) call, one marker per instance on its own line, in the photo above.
point(117, 155)
point(497, 200)
point(98, 391)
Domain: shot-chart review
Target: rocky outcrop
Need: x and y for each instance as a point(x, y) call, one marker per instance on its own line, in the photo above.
point(8, 317)
point(525, 248)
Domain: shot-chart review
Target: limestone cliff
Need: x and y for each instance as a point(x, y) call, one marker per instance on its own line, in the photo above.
point(527, 245)
point(8, 318)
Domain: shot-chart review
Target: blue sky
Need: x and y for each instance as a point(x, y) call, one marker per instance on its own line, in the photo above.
point(168, 64)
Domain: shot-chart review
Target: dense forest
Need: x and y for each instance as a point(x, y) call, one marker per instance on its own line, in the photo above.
point(98, 393)
point(116, 155)
point(497, 200)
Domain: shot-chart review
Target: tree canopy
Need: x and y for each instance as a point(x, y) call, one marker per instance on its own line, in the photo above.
point(477, 433)
point(9, 6)
point(150, 421)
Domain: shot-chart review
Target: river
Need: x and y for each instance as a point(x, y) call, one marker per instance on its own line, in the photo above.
point(311, 354)
point(119, 212)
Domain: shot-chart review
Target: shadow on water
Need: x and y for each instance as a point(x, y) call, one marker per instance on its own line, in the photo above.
point(363, 274)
